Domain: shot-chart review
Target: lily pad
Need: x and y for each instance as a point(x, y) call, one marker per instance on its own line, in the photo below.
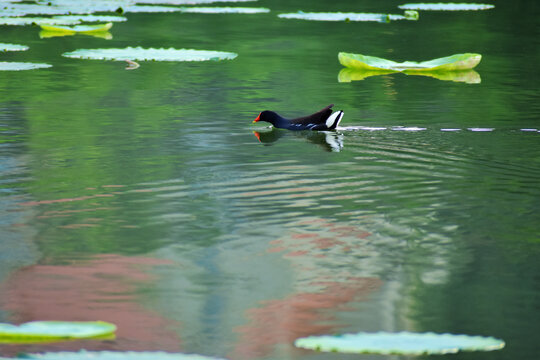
point(449, 63)
point(37, 21)
point(53, 330)
point(403, 343)
point(17, 66)
point(88, 18)
point(115, 355)
point(78, 28)
point(141, 54)
point(446, 6)
point(349, 16)
point(13, 47)
point(225, 10)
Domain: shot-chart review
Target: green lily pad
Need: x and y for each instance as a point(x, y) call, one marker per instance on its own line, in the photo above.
point(446, 6)
point(37, 331)
point(88, 18)
point(13, 47)
point(37, 20)
point(77, 28)
point(349, 16)
point(17, 66)
point(403, 343)
point(115, 355)
point(225, 10)
point(141, 54)
point(449, 63)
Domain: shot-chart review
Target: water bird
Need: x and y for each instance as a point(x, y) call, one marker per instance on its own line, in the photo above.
point(321, 120)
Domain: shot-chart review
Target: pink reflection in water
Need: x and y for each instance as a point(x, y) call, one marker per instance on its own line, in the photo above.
point(106, 288)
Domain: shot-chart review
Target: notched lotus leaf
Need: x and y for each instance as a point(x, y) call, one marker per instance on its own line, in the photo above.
point(450, 63)
point(446, 6)
point(225, 10)
point(117, 355)
point(37, 21)
point(403, 343)
point(12, 47)
point(141, 54)
point(84, 29)
point(38, 331)
point(18, 66)
point(340, 16)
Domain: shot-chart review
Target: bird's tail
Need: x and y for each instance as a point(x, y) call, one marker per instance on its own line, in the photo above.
point(333, 120)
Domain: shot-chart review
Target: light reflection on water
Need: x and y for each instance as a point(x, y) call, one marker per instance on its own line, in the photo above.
point(269, 250)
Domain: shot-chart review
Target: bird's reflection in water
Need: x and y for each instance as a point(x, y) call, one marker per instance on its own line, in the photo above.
point(328, 140)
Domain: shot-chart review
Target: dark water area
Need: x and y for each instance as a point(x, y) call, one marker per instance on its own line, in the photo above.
point(145, 198)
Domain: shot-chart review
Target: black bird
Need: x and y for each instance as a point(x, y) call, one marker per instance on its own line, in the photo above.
point(321, 120)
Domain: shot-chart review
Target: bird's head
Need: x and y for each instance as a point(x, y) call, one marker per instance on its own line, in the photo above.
point(268, 116)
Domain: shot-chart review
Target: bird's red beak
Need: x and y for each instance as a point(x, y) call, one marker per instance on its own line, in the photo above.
point(257, 119)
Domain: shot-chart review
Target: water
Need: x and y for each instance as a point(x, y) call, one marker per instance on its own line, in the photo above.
point(145, 198)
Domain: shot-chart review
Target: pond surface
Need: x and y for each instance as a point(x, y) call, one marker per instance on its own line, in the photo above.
point(145, 198)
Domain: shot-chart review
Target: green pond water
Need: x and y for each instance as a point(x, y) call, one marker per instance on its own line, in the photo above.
point(144, 197)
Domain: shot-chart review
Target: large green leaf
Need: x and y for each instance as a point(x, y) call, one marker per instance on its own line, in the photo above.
point(449, 63)
point(340, 16)
point(12, 47)
point(17, 66)
point(446, 6)
point(141, 54)
point(37, 331)
point(115, 355)
point(403, 343)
